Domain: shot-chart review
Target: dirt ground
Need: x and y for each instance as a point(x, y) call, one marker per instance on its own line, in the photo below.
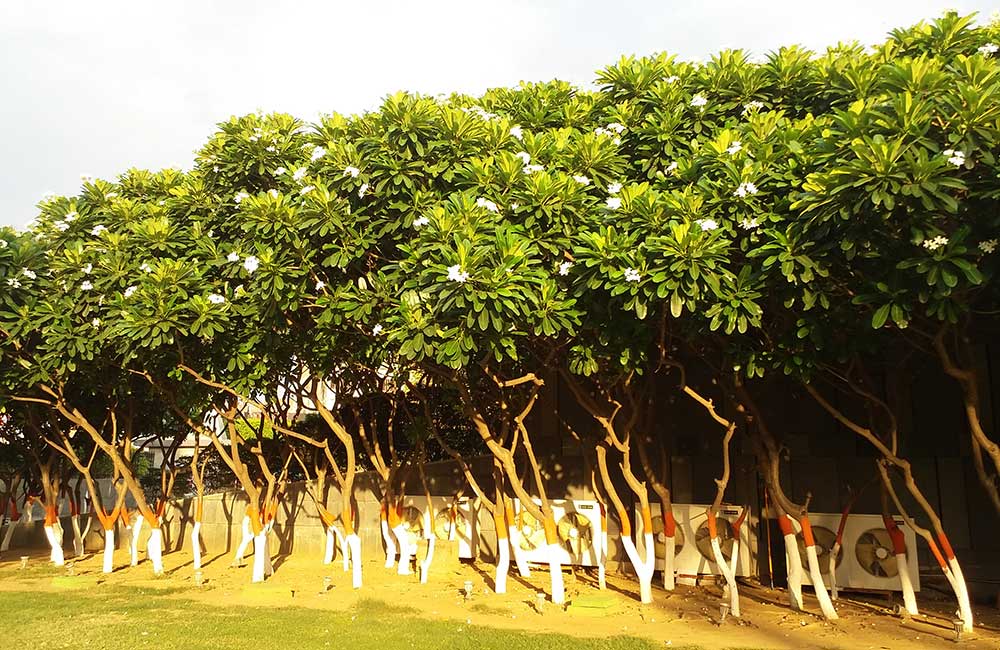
point(687, 616)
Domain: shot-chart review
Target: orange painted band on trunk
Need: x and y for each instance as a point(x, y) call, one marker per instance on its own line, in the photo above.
point(346, 515)
point(785, 524)
point(895, 534)
point(51, 516)
point(74, 507)
point(393, 517)
point(499, 523)
point(937, 555)
point(946, 546)
point(626, 523)
point(807, 531)
point(14, 514)
point(327, 517)
point(255, 523)
point(647, 520)
point(738, 524)
point(843, 522)
point(509, 510)
point(198, 509)
point(551, 537)
point(123, 515)
point(713, 531)
point(669, 523)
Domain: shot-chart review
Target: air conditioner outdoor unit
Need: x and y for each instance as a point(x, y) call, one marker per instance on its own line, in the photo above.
point(692, 545)
point(578, 525)
point(452, 520)
point(866, 558)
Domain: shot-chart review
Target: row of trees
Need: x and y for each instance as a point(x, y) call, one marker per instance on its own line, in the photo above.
point(414, 275)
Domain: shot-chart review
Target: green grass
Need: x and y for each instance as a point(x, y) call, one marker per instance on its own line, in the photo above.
point(118, 617)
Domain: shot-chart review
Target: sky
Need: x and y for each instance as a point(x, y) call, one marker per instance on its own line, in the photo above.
point(99, 87)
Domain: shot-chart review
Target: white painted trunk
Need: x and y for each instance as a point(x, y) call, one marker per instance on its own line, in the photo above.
point(53, 533)
point(331, 543)
point(834, 552)
point(503, 565)
point(643, 567)
point(962, 592)
point(515, 544)
point(793, 562)
point(406, 548)
point(77, 535)
point(425, 566)
point(345, 552)
point(555, 574)
point(196, 545)
point(825, 604)
point(259, 557)
point(390, 544)
point(5, 545)
point(133, 546)
point(244, 542)
point(109, 550)
point(669, 579)
point(728, 573)
point(154, 550)
point(909, 597)
point(602, 582)
point(354, 546)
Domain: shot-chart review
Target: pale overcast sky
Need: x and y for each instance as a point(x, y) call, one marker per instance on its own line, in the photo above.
point(98, 87)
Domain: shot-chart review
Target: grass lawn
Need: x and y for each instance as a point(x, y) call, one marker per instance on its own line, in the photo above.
point(127, 617)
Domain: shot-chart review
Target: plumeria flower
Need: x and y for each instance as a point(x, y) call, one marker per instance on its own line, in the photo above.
point(531, 169)
point(672, 79)
point(233, 257)
point(616, 127)
point(616, 141)
point(672, 167)
point(565, 267)
point(456, 274)
point(251, 264)
point(88, 269)
point(956, 158)
point(988, 246)
point(377, 329)
point(752, 107)
point(935, 243)
point(351, 171)
point(582, 180)
point(420, 222)
point(129, 292)
point(95, 323)
point(86, 285)
point(524, 156)
point(61, 226)
point(146, 268)
point(279, 171)
point(215, 169)
point(273, 193)
point(708, 224)
point(319, 285)
point(87, 178)
point(272, 148)
point(749, 224)
point(363, 190)
point(240, 196)
point(3, 243)
point(14, 282)
point(699, 101)
point(299, 174)
point(70, 216)
point(216, 299)
point(989, 49)
point(734, 148)
point(97, 230)
point(613, 203)
point(486, 203)
point(515, 131)
point(745, 189)
point(614, 188)
point(28, 273)
point(317, 153)
point(514, 205)
point(631, 275)
point(305, 190)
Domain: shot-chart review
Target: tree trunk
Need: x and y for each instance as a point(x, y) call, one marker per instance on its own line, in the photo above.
point(793, 562)
point(109, 549)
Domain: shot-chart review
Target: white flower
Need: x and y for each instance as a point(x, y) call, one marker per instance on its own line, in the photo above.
point(708, 224)
point(129, 292)
point(216, 299)
point(95, 323)
point(631, 275)
point(279, 171)
point(70, 216)
point(377, 330)
point(86, 285)
point(616, 141)
point(97, 230)
point(582, 180)
point(351, 171)
point(699, 101)
point(28, 273)
point(486, 203)
point(233, 257)
point(240, 196)
point(613, 203)
point(614, 188)
point(672, 79)
point(251, 264)
point(14, 282)
point(111, 195)
point(749, 224)
point(745, 189)
point(273, 193)
point(3, 243)
point(514, 205)
point(215, 169)
point(319, 285)
point(420, 221)
point(672, 166)
point(88, 269)
point(457, 274)
point(363, 190)
point(988, 246)
point(616, 127)
point(524, 156)
point(146, 268)
point(752, 107)
point(935, 243)
point(956, 158)
point(515, 131)
point(317, 153)
point(565, 267)
point(272, 148)
point(305, 190)
point(299, 174)
point(61, 226)
point(989, 49)
point(531, 169)
point(601, 131)
point(734, 148)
